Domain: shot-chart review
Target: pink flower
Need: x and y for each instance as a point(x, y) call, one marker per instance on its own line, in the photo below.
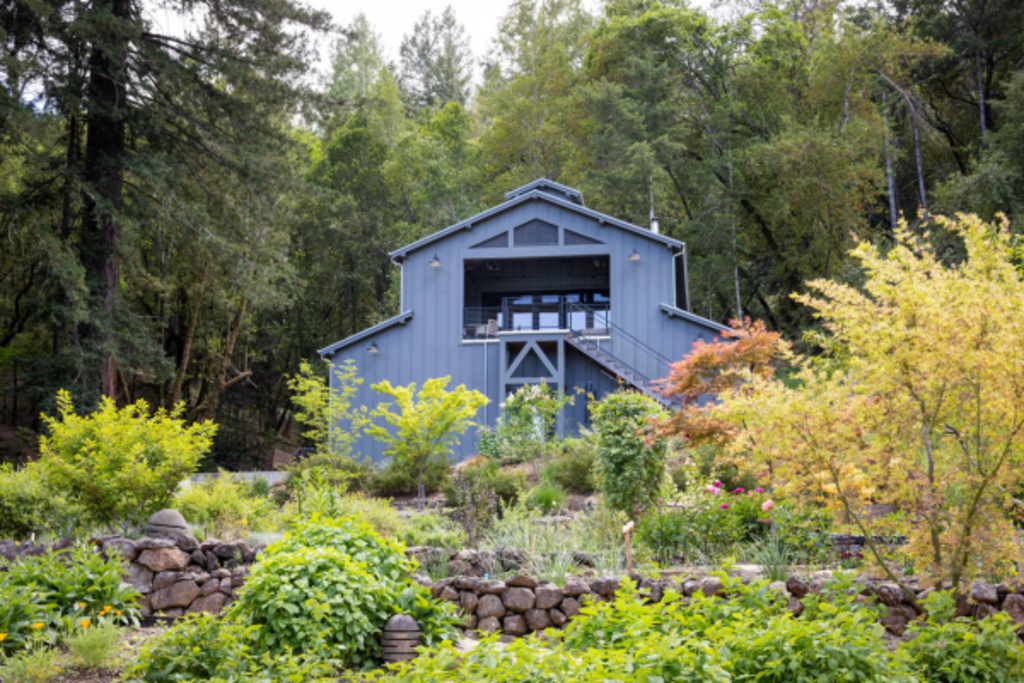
point(717, 483)
point(737, 492)
point(724, 506)
point(759, 490)
point(767, 505)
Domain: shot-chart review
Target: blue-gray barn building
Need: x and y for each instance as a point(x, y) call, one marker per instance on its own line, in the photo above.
point(537, 288)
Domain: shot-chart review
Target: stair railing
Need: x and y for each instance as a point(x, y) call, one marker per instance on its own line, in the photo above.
point(595, 329)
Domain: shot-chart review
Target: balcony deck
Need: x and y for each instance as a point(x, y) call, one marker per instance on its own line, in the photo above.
point(537, 314)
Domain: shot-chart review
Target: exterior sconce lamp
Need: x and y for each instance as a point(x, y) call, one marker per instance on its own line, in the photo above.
point(635, 256)
point(435, 262)
point(372, 348)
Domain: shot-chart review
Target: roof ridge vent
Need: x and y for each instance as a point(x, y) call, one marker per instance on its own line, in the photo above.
point(551, 187)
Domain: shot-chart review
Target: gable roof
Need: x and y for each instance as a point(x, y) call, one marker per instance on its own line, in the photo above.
point(399, 319)
point(538, 190)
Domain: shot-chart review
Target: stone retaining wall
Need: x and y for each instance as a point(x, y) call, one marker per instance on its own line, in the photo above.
point(521, 605)
point(175, 576)
point(178, 576)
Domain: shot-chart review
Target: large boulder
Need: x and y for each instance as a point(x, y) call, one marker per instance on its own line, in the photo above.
point(168, 524)
point(180, 594)
point(489, 606)
point(163, 559)
point(139, 578)
point(518, 599)
point(548, 597)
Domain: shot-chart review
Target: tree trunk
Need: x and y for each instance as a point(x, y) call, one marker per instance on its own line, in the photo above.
point(190, 333)
point(981, 97)
point(103, 173)
point(890, 183)
point(219, 382)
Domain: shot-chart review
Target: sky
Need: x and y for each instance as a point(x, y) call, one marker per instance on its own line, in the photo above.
point(395, 18)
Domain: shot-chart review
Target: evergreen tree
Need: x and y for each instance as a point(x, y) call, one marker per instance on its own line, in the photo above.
point(436, 62)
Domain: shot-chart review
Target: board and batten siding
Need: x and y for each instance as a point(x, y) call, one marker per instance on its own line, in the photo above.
point(429, 344)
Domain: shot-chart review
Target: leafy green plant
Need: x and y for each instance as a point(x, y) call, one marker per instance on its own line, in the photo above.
point(77, 584)
point(663, 533)
point(37, 665)
point(313, 598)
point(476, 506)
point(327, 413)
point(398, 477)
point(199, 647)
point(20, 607)
point(773, 556)
point(959, 650)
point(629, 470)
point(26, 505)
point(571, 465)
point(94, 646)
point(547, 497)
point(526, 424)
point(429, 529)
point(428, 422)
point(508, 485)
point(224, 507)
point(353, 538)
point(121, 465)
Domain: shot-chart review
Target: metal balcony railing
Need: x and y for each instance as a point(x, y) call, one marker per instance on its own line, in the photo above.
point(518, 315)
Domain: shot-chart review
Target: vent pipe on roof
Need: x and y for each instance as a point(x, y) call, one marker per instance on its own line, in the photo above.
point(650, 187)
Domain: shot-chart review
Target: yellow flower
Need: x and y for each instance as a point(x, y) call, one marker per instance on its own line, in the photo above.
point(81, 605)
point(3, 637)
point(84, 623)
point(36, 626)
point(118, 612)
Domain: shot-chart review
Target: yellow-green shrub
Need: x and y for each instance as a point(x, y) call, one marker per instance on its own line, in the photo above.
point(121, 465)
point(225, 507)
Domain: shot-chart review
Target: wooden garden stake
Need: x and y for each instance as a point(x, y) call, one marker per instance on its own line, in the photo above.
point(629, 547)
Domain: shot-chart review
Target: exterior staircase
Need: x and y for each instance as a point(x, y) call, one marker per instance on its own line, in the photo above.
point(620, 353)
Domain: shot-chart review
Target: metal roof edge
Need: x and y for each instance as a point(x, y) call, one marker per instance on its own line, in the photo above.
point(693, 318)
point(544, 182)
point(529, 196)
point(399, 319)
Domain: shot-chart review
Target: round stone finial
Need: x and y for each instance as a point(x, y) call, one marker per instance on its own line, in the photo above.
point(401, 622)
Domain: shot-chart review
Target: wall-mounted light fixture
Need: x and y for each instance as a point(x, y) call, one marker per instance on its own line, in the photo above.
point(635, 256)
point(372, 348)
point(435, 262)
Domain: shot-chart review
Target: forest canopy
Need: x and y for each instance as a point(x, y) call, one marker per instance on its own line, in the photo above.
point(186, 216)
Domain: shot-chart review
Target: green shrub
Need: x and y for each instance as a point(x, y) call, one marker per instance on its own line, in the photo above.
point(95, 646)
point(525, 427)
point(949, 650)
point(25, 503)
point(428, 529)
point(311, 599)
point(37, 665)
point(344, 471)
point(121, 465)
point(508, 485)
point(353, 538)
point(629, 471)
point(20, 607)
point(572, 466)
point(709, 467)
point(224, 507)
point(664, 534)
point(199, 647)
point(76, 584)
point(398, 477)
point(546, 497)
point(330, 586)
